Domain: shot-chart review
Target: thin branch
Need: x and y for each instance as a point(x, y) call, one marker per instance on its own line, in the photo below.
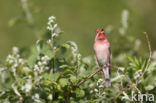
point(129, 80)
point(115, 67)
point(90, 76)
point(68, 98)
point(149, 59)
point(100, 69)
point(118, 95)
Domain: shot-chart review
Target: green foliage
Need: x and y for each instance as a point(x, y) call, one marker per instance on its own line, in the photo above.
point(49, 71)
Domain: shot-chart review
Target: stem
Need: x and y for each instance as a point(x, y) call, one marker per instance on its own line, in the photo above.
point(90, 76)
point(149, 59)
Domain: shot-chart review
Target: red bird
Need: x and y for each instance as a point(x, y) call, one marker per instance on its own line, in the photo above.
point(102, 52)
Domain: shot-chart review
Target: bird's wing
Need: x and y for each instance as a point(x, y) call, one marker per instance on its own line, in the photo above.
point(110, 57)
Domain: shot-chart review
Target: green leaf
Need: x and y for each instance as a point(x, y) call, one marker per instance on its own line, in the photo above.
point(63, 82)
point(58, 87)
point(52, 76)
point(63, 66)
point(66, 45)
point(73, 79)
point(79, 93)
point(33, 56)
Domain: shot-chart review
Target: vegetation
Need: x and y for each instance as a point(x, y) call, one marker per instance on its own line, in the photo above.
point(55, 72)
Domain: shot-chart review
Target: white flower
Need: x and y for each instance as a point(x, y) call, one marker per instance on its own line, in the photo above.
point(137, 74)
point(36, 98)
point(124, 22)
point(45, 62)
point(15, 65)
point(50, 97)
point(15, 50)
point(45, 58)
point(49, 41)
point(55, 48)
point(54, 35)
point(99, 82)
point(51, 24)
point(51, 18)
point(27, 87)
point(36, 67)
point(29, 76)
point(50, 21)
point(39, 63)
point(55, 25)
point(125, 18)
point(21, 61)
point(74, 47)
point(101, 86)
point(96, 90)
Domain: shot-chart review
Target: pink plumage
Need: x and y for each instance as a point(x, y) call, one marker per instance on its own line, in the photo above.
point(102, 52)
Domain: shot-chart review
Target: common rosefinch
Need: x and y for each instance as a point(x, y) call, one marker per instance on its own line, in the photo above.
point(102, 52)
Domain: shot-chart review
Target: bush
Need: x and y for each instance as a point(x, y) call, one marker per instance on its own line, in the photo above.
point(50, 71)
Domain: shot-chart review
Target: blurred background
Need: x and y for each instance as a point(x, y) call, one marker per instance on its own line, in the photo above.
point(78, 19)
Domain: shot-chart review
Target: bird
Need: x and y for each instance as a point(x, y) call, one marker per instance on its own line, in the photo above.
point(103, 54)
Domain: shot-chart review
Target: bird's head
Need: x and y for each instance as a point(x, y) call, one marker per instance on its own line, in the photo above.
point(100, 35)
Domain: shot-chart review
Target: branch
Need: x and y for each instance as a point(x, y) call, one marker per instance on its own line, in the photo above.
point(115, 67)
point(84, 80)
point(90, 76)
point(129, 80)
point(149, 59)
point(100, 69)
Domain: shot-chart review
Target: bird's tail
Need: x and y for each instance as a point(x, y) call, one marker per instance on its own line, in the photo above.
point(106, 72)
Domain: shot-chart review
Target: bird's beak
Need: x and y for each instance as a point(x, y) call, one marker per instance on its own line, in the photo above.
point(102, 32)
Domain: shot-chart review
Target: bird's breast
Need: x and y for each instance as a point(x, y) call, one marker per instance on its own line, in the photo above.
point(102, 52)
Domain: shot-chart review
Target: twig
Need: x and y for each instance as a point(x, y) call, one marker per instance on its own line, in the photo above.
point(98, 70)
point(90, 76)
point(129, 80)
point(81, 82)
point(118, 95)
point(149, 59)
point(115, 67)
point(68, 98)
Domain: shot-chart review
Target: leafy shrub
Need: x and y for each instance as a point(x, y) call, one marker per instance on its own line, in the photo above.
point(50, 71)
